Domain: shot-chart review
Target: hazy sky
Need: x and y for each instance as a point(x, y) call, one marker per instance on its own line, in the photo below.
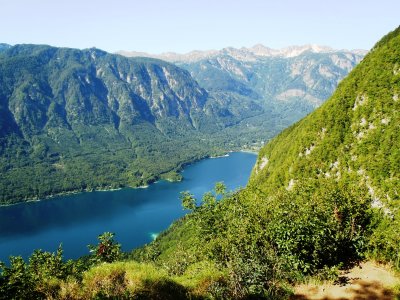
point(183, 25)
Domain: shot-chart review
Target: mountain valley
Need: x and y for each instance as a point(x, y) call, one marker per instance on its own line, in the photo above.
point(77, 120)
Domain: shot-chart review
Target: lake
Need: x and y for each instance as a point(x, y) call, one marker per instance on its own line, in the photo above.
point(134, 215)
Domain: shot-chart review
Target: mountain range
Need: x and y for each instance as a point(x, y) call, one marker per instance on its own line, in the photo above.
point(245, 54)
point(74, 120)
point(287, 83)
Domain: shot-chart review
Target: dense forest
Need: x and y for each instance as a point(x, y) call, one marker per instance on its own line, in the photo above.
point(323, 195)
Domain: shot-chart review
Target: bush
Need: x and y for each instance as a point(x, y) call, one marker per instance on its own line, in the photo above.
point(312, 229)
point(384, 244)
point(41, 278)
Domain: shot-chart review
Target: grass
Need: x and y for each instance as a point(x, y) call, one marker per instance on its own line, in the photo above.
point(133, 280)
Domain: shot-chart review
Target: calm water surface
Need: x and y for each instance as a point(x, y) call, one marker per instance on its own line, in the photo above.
point(134, 215)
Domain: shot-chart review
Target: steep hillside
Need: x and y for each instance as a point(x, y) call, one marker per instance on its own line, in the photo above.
point(77, 120)
point(353, 137)
point(352, 141)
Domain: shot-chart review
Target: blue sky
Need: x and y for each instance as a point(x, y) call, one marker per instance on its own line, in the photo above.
point(183, 25)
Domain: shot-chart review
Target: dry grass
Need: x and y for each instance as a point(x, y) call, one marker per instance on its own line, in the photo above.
point(367, 281)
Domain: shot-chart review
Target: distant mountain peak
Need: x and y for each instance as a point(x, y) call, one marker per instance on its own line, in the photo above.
point(291, 51)
point(247, 54)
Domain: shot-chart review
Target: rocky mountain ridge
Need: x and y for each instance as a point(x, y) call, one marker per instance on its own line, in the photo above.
point(295, 79)
point(243, 53)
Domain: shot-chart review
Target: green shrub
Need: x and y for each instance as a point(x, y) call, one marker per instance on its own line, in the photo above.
point(384, 244)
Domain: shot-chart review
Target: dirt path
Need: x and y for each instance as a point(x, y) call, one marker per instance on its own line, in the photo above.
point(368, 281)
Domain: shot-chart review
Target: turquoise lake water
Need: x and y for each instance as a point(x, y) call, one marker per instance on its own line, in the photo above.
point(134, 215)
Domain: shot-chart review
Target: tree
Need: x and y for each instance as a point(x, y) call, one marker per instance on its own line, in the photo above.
point(208, 200)
point(107, 250)
point(188, 200)
point(220, 188)
point(15, 280)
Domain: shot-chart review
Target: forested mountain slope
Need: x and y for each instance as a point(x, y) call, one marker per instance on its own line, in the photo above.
point(4, 46)
point(352, 138)
point(82, 119)
point(346, 152)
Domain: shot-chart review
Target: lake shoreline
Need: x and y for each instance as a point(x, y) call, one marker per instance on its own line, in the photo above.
point(250, 151)
point(133, 214)
point(158, 178)
point(100, 189)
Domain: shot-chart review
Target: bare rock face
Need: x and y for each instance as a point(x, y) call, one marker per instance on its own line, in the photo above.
point(301, 77)
point(72, 88)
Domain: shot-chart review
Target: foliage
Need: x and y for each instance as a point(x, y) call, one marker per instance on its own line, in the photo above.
point(15, 280)
point(262, 243)
point(188, 200)
point(384, 244)
point(107, 250)
point(38, 279)
point(312, 230)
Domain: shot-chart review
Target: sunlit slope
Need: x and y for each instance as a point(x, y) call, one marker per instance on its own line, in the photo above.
point(354, 137)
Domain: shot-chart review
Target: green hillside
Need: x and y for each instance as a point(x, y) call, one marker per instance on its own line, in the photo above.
point(353, 137)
